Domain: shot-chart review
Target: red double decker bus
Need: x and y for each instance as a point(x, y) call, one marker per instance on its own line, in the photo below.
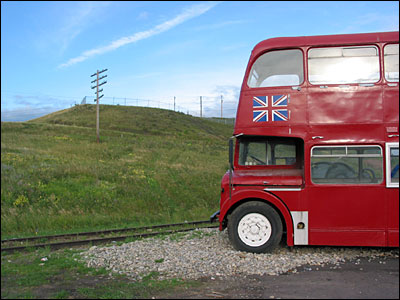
point(316, 153)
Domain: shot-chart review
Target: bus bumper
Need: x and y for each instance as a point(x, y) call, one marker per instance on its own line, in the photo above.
point(214, 216)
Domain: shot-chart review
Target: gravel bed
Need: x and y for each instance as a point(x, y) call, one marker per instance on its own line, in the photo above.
point(208, 253)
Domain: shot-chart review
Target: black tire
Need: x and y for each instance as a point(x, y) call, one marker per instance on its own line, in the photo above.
point(255, 227)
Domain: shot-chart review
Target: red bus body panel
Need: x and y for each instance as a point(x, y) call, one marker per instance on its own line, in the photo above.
point(351, 114)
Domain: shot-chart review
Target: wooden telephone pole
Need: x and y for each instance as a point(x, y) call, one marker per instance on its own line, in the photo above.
point(201, 106)
point(221, 105)
point(98, 98)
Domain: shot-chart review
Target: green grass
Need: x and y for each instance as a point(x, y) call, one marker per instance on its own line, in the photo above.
point(152, 166)
point(63, 275)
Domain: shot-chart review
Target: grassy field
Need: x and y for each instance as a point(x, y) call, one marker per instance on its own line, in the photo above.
point(152, 166)
point(45, 274)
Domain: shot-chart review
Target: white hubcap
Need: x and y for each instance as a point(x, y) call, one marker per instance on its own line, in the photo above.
point(254, 229)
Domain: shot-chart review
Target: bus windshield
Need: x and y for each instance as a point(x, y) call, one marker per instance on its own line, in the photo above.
point(277, 68)
point(268, 152)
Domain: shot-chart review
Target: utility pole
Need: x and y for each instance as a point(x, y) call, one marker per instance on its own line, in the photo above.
point(221, 106)
point(174, 103)
point(201, 107)
point(98, 98)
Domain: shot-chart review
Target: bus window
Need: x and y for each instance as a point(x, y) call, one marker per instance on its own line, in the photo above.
point(253, 153)
point(277, 68)
point(347, 165)
point(391, 62)
point(267, 152)
point(285, 154)
point(392, 165)
point(342, 65)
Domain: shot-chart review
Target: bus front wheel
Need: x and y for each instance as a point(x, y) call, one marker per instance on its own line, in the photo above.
point(255, 227)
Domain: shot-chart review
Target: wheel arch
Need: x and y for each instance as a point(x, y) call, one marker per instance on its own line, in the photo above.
point(263, 197)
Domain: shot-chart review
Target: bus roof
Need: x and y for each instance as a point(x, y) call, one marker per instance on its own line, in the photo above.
point(325, 40)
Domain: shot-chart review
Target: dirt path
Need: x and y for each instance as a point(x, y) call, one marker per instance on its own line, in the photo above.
point(375, 279)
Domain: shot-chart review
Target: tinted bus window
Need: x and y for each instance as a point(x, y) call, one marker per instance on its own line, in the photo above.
point(347, 165)
point(342, 65)
point(391, 62)
point(267, 152)
point(277, 68)
point(394, 165)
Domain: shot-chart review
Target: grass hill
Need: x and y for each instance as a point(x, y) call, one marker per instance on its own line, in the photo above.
point(151, 166)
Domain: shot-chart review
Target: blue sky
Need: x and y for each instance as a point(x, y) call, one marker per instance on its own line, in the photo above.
point(154, 51)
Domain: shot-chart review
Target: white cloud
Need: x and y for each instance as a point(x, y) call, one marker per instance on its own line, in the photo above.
point(75, 21)
point(230, 98)
point(67, 22)
point(189, 13)
point(143, 15)
point(373, 22)
point(220, 25)
point(26, 113)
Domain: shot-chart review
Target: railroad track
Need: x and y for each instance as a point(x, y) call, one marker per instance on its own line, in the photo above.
point(55, 242)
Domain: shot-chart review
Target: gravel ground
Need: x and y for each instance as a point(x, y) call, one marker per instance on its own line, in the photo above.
point(208, 253)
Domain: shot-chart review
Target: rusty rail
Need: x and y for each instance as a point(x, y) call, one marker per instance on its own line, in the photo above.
point(96, 241)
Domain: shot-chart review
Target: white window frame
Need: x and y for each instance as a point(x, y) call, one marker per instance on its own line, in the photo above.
point(389, 182)
point(346, 148)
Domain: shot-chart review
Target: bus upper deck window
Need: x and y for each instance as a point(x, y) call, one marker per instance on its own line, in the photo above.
point(391, 62)
point(277, 68)
point(342, 65)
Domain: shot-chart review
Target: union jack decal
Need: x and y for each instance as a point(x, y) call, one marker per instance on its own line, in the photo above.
point(261, 112)
point(280, 100)
point(260, 109)
point(280, 115)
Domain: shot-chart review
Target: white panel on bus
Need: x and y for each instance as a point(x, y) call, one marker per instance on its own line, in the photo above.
point(300, 226)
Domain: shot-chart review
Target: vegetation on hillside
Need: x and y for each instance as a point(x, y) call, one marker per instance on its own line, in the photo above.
point(151, 166)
